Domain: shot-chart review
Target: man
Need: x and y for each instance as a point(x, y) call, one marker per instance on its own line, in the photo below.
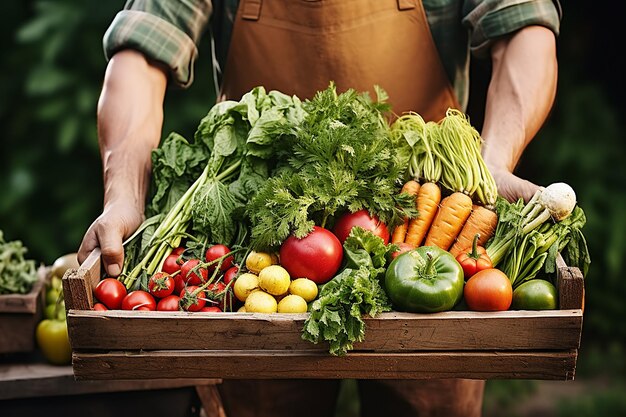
point(417, 51)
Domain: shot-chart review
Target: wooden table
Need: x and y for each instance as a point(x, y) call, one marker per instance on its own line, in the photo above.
point(27, 376)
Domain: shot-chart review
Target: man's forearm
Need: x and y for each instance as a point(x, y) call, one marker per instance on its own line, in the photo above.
point(130, 118)
point(520, 95)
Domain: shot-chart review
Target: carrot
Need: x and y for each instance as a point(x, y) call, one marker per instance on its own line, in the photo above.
point(428, 198)
point(410, 187)
point(453, 212)
point(482, 221)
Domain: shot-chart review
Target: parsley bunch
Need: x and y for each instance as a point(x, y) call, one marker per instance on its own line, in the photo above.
point(340, 158)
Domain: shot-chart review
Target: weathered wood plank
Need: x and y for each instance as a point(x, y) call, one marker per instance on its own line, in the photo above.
point(78, 284)
point(571, 287)
point(306, 364)
point(31, 380)
point(390, 332)
point(19, 315)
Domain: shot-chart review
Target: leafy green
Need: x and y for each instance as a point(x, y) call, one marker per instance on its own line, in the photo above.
point(17, 275)
point(200, 188)
point(339, 158)
point(522, 246)
point(336, 315)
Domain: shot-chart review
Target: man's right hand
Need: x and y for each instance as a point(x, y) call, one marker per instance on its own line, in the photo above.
point(117, 222)
point(130, 117)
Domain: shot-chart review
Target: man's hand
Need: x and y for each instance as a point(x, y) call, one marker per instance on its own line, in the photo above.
point(511, 186)
point(130, 117)
point(118, 221)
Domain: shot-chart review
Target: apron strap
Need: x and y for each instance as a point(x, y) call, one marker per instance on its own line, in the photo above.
point(406, 4)
point(251, 9)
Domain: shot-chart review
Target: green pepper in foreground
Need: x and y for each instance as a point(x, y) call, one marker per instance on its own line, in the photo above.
point(424, 280)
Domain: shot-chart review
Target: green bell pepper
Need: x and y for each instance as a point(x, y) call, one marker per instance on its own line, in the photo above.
point(424, 280)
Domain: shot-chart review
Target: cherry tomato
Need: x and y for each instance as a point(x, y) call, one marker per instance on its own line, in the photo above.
point(474, 259)
point(230, 274)
point(191, 302)
point(169, 303)
point(402, 247)
point(139, 300)
point(100, 307)
point(488, 290)
point(178, 251)
point(362, 219)
point(217, 251)
point(110, 292)
point(161, 285)
point(193, 276)
point(211, 309)
point(171, 264)
point(317, 256)
point(179, 284)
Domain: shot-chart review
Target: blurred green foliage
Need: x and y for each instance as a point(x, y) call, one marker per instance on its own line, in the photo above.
point(52, 68)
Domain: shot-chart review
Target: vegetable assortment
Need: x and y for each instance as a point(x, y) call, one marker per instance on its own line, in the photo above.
point(322, 206)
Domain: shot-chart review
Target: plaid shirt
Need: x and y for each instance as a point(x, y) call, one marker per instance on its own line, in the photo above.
point(169, 31)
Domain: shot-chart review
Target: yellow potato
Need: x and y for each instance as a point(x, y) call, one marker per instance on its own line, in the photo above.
point(274, 279)
point(260, 302)
point(244, 285)
point(256, 261)
point(305, 288)
point(292, 304)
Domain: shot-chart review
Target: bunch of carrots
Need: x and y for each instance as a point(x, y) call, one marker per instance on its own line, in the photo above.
point(446, 160)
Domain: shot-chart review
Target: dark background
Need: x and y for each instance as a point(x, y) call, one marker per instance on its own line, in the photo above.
point(51, 69)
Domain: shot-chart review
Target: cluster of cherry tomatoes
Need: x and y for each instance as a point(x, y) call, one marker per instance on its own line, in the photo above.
point(190, 285)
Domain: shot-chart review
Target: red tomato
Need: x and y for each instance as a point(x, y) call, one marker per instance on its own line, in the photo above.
point(161, 285)
point(171, 264)
point(179, 283)
point(100, 307)
point(362, 219)
point(211, 309)
point(110, 292)
point(192, 302)
point(178, 251)
point(217, 251)
point(197, 277)
point(402, 247)
point(169, 303)
point(488, 290)
point(230, 274)
point(139, 300)
point(316, 256)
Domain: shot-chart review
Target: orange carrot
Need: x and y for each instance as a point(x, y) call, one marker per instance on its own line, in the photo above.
point(482, 221)
point(410, 187)
point(428, 198)
point(453, 212)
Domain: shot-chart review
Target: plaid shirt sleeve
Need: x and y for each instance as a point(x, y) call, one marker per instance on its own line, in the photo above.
point(165, 31)
point(488, 20)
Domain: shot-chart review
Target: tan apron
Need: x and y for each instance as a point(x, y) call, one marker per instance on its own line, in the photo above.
point(299, 46)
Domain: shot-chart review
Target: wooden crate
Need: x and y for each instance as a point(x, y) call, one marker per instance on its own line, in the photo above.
point(459, 344)
point(19, 316)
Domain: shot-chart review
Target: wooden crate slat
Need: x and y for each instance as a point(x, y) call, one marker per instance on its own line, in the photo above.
point(390, 332)
point(307, 364)
point(78, 284)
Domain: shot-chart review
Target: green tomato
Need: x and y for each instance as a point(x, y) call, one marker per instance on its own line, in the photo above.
point(54, 342)
point(426, 280)
point(56, 283)
point(536, 294)
point(51, 311)
point(52, 294)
